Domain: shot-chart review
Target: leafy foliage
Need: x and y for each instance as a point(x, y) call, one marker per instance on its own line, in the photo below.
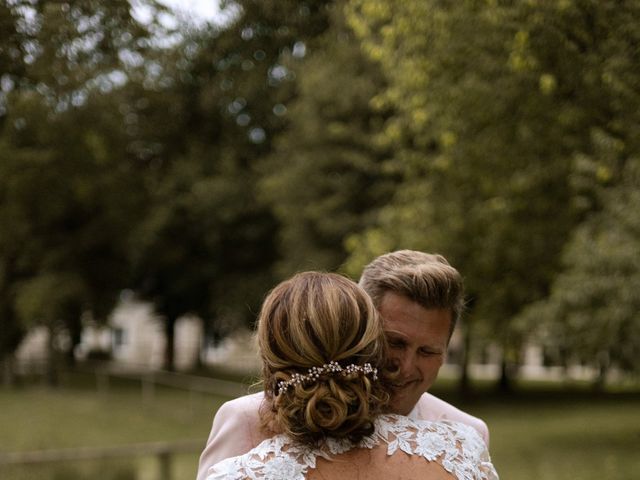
point(324, 179)
point(63, 162)
point(197, 165)
point(593, 305)
point(500, 104)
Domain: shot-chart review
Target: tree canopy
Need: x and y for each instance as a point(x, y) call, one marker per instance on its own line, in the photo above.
point(198, 165)
point(501, 107)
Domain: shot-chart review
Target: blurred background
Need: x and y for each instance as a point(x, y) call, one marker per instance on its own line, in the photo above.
point(164, 164)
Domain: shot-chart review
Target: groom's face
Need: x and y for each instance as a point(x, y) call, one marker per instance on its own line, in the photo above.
point(418, 339)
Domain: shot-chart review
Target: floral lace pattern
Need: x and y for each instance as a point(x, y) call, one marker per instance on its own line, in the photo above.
point(457, 447)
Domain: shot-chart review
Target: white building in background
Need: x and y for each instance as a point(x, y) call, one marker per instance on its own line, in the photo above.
point(138, 339)
point(133, 338)
point(94, 339)
point(188, 340)
point(33, 348)
point(238, 352)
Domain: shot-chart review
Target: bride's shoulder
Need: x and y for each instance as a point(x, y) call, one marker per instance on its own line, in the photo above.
point(458, 447)
point(275, 457)
point(393, 423)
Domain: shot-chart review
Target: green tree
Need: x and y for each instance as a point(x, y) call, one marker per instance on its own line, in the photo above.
point(67, 207)
point(207, 245)
point(591, 313)
point(66, 170)
point(324, 178)
point(498, 102)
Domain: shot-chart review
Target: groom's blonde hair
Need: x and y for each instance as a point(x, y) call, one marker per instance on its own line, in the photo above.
point(308, 321)
point(425, 278)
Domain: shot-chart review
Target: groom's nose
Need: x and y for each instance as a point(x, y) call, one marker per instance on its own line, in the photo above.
point(405, 364)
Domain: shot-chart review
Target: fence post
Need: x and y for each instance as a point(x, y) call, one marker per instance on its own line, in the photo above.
point(164, 459)
point(192, 401)
point(148, 388)
point(102, 382)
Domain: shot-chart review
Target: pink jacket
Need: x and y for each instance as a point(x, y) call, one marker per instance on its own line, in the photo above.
point(236, 426)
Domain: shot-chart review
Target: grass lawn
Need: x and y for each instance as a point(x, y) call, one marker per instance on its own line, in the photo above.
point(544, 434)
point(556, 435)
point(34, 418)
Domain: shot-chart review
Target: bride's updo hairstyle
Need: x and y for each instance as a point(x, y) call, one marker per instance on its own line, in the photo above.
point(309, 321)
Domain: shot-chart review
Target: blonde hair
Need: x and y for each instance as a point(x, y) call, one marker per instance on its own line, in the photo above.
point(308, 321)
point(424, 278)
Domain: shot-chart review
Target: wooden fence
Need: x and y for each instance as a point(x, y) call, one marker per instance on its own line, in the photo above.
point(149, 380)
point(106, 380)
point(163, 451)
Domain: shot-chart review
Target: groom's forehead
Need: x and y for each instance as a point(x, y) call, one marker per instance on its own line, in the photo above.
point(405, 318)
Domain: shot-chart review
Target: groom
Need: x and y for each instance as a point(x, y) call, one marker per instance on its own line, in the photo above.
point(420, 298)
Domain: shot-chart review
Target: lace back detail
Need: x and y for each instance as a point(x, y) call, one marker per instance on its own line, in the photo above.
point(457, 447)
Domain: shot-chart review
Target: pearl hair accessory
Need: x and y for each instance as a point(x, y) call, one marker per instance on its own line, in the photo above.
point(331, 368)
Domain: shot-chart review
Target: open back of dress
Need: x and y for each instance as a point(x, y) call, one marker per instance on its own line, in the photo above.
point(400, 448)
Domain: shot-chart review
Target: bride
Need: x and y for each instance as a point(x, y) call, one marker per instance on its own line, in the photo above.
point(326, 392)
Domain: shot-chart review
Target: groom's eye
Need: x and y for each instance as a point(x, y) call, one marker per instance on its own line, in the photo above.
point(428, 352)
point(396, 343)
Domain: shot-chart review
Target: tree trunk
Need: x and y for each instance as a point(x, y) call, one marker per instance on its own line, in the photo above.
point(465, 381)
point(603, 369)
point(507, 368)
point(8, 371)
point(75, 336)
point(51, 370)
point(169, 350)
point(504, 382)
point(201, 346)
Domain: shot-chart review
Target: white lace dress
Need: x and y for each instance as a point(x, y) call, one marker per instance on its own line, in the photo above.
point(457, 447)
